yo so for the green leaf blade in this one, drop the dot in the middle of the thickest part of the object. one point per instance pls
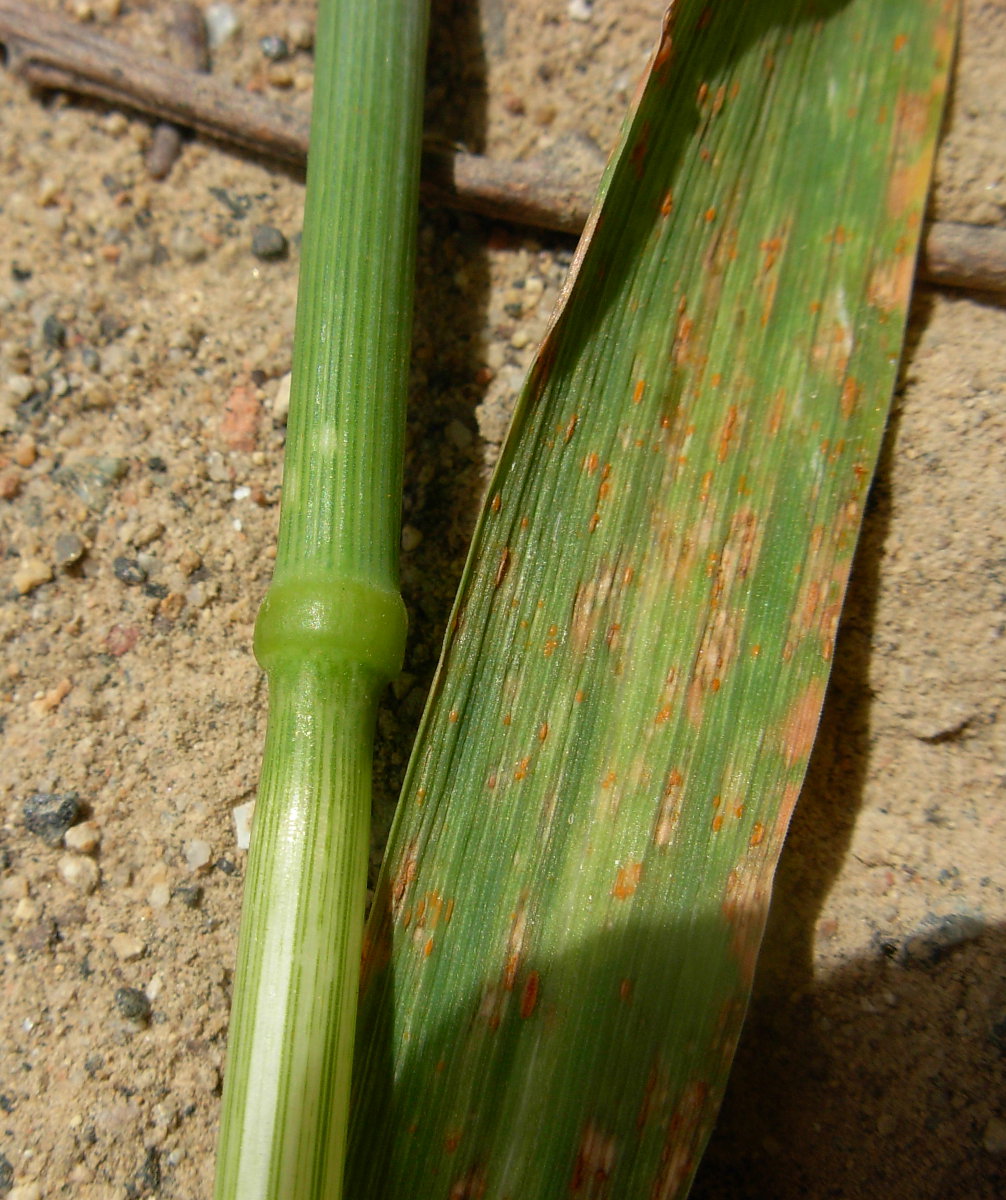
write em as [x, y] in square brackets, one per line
[562, 948]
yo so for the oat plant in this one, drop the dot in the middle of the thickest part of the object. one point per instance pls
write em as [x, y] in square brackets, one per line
[564, 938]
[331, 631]
[565, 932]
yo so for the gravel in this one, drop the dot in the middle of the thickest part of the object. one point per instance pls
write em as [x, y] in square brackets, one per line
[50, 814]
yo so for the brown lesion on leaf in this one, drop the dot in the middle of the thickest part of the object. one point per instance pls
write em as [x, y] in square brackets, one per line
[686, 1131]
[470, 1186]
[403, 877]
[907, 187]
[589, 603]
[529, 994]
[800, 723]
[890, 283]
[638, 153]
[594, 1163]
[745, 908]
[670, 808]
[727, 432]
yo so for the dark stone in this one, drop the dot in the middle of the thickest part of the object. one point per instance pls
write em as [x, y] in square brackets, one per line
[268, 243]
[53, 332]
[69, 549]
[132, 1003]
[49, 815]
[274, 48]
[129, 571]
[190, 894]
[149, 1176]
[6, 1175]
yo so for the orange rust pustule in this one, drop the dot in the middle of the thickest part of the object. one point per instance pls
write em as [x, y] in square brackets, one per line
[627, 881]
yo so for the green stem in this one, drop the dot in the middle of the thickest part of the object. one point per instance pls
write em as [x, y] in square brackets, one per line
[332, 629]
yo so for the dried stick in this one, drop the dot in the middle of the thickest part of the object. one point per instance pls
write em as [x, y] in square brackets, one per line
[50, 52]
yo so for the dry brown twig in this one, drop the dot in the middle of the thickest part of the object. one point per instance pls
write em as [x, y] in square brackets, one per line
[53, 53]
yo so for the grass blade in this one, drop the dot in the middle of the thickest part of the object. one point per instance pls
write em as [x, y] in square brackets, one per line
[563, 943]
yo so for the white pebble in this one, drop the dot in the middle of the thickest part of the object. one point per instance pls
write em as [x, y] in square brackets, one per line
[84, 838]
[242, 815]
[126, 947]
[281, 401]
[79, 872]
[222, 22]
[197, 854]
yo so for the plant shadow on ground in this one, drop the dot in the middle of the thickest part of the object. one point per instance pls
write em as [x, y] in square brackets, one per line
[866, 1082]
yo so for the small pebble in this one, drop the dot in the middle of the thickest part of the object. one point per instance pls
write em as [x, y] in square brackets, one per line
[936, 936]
[133, 1004]
[190, 894]
[10, 485]
[129, 571]
[411, 537]
[120, 639]
[189, 561]
[222, 22]
[26, 451]
[274, 48]
[281, 401]
[197, 854]
[126, 947]
[159, 896]
[147, 533]
[32, 573]
[188, 245]
[53, 332]
[79, 872]
[300, 34]
[163, 151]
[69, 549]
[242, 815]
[25, 1191]
[49, 815]
[268, 243]
[84, 838]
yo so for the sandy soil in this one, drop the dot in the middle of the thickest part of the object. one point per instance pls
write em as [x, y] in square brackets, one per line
[142, 344]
